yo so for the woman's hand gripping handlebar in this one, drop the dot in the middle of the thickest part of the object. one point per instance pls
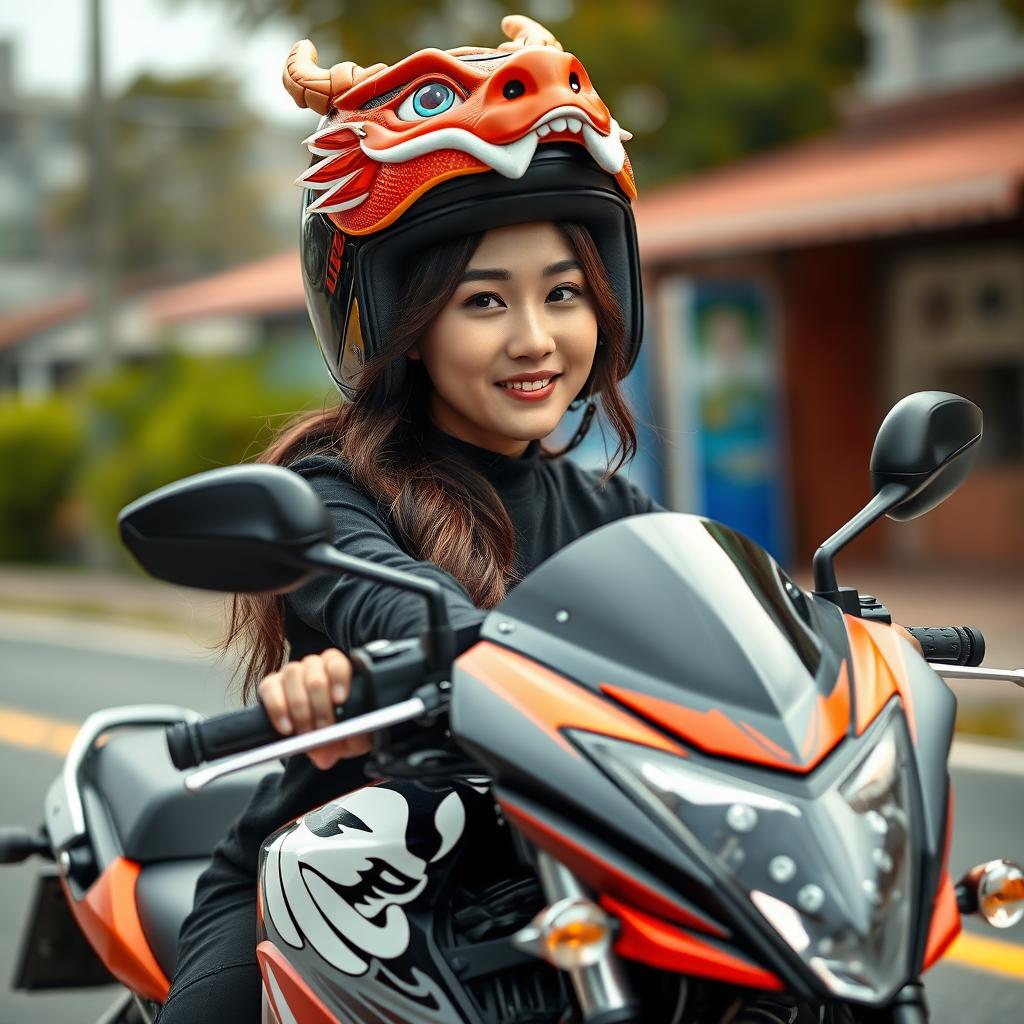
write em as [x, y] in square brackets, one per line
[310, 694]
[298, 698]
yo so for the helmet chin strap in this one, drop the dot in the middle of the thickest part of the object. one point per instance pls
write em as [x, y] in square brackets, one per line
[581, 430]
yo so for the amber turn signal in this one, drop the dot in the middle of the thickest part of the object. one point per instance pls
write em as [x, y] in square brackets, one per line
[570, 934]
[998, 888]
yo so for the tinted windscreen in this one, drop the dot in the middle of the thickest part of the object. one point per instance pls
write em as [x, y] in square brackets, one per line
[685, 603]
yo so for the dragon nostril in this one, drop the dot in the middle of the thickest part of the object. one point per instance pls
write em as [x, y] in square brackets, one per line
[574, 81]
[513, 89]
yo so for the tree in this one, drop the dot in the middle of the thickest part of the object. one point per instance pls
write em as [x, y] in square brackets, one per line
[187, 199]
[699, 83]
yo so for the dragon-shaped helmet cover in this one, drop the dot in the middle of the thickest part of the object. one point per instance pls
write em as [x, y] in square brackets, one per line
[441, 144]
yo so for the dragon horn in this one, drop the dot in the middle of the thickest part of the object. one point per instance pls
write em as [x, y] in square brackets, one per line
[525, 31]
[315, 87]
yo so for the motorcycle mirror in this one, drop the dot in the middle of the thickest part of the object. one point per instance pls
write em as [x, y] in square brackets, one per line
[929, 442]
[258, 528]
[923, 451]
[240, 528]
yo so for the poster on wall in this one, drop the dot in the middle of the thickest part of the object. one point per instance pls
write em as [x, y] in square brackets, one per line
[730, 449]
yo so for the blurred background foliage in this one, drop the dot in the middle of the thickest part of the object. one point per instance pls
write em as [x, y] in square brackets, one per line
[698, 83]
[41, 449]
[187, 197]
[701, 84]
[83, 457]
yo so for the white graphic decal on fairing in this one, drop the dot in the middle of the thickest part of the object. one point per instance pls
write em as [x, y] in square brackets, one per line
[342, 887]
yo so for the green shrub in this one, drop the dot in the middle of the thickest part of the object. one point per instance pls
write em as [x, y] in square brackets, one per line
[180, 416]
[41, 450]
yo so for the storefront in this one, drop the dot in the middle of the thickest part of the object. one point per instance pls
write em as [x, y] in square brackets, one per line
[810, 289]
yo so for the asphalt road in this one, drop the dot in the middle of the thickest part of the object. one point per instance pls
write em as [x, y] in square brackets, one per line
[67, 671]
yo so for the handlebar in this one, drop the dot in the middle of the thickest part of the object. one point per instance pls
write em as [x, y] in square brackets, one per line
[383, 672]
[950, 645]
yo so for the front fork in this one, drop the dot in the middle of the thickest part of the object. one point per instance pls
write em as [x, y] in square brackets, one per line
[602, 989]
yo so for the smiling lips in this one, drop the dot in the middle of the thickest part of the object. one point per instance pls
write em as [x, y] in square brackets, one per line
[529, 390]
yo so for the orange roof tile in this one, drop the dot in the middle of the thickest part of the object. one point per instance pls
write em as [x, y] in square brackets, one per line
[268, 286]
[928, 172]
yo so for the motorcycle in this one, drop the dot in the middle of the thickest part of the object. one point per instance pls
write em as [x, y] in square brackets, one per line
[664, 783]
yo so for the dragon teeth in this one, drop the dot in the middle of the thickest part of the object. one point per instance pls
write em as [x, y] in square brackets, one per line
[512, 159]
[605, 149]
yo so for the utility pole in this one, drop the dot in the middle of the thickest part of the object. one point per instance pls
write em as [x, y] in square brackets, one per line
[103, 236]
[99, 553]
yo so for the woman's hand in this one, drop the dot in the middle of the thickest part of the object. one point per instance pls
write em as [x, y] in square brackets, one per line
[301, 697]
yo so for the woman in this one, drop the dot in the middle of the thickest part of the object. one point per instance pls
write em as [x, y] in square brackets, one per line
[462, 304]
[517, 297]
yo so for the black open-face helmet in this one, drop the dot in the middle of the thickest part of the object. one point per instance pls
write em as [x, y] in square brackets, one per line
[445, 144]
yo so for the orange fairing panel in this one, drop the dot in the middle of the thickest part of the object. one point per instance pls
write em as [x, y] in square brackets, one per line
[715, 733]
[662, 945]
[946, 923]
[553, 702]
[599, 874]
[109, 918]
[877, 670]
[290, 997]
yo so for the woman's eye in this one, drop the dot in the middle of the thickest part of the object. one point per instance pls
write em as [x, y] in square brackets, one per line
[482, 300]
[566, 292]
[428, 101]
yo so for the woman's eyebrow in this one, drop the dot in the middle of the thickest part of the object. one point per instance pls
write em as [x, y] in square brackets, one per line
[499, 274]
[562, 266]
[485, 274]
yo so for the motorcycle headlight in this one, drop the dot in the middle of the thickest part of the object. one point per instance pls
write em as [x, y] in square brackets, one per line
[833, 874]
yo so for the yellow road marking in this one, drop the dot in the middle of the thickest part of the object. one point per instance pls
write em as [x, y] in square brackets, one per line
[985, 954]
[36, 732]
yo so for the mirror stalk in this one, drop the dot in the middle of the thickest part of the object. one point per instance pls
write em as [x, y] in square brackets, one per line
[825, 584]
[440, 640]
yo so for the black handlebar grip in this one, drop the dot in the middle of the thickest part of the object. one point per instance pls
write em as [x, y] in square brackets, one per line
[951, 645]
[192, 743]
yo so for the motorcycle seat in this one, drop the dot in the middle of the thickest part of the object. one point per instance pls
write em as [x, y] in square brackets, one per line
[163, 897]
[153, 816]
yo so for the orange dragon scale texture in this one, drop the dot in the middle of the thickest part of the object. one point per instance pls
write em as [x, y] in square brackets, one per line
[389, 134]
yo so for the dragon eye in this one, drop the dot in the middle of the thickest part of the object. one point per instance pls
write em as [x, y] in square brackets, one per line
[427, 101]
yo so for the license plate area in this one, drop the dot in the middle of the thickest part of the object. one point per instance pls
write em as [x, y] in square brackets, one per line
[54, 953]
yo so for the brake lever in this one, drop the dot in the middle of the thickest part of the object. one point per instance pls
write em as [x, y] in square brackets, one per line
[1007, 675]
[427, 701]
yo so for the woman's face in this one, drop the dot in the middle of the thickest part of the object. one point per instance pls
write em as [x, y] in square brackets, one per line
[521, 308]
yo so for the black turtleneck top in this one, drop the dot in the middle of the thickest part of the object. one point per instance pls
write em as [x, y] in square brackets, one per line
[551, 502]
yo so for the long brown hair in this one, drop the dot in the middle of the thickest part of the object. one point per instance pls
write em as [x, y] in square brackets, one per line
[444, 511]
